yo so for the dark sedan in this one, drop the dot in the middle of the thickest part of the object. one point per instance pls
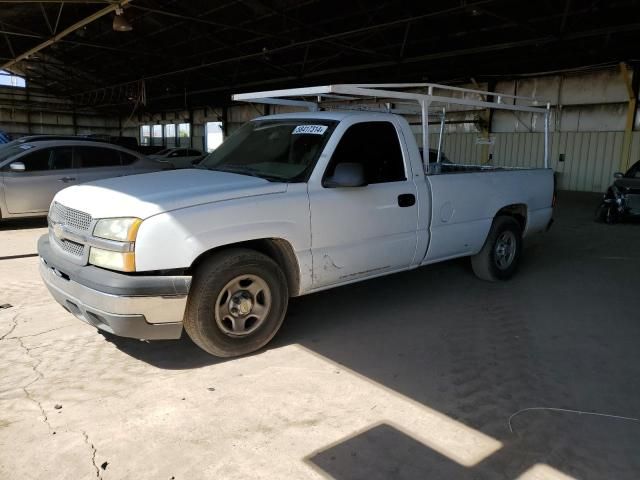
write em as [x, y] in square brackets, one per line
[622, 199]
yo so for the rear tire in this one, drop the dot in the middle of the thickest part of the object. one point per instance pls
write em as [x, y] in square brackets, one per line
[237, 303]
[500, 255]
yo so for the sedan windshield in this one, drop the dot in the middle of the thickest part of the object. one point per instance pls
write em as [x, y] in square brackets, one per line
[276, 150]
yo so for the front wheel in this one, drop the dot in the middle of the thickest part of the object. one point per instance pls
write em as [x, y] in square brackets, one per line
[607, 214]
[237, 303]
[499, 257]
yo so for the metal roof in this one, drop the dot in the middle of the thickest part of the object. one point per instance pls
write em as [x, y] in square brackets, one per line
[198, 52]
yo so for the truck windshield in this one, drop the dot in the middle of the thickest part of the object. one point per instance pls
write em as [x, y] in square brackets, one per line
[276, 150]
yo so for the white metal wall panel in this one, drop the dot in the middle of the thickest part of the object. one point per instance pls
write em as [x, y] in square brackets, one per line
[590, 158]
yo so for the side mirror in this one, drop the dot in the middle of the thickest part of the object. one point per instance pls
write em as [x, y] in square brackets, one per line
[618, 175]
[17, 167]
[346, 175]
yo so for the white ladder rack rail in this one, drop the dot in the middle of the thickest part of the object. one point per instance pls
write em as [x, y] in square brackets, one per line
[312, 98]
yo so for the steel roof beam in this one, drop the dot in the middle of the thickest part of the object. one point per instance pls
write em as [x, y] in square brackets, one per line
[64, 33]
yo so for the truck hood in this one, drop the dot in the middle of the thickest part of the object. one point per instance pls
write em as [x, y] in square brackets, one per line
[149, 194]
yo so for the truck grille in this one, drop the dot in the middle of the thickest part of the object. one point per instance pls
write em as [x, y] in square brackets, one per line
[73, 248]
[69, 217]
[74, 221]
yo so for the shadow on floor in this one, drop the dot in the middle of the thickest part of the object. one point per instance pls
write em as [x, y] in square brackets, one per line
[563, 333]
[180, 354]
[23, 223]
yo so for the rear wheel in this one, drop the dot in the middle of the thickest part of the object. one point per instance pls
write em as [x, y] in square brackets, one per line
[500, 255]
[237, 303]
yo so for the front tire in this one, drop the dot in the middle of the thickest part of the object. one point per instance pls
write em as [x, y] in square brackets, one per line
[500, 255]
[607, 214]
[237, 303]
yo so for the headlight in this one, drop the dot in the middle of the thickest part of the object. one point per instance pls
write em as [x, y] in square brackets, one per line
[122, 261]
[120, 229]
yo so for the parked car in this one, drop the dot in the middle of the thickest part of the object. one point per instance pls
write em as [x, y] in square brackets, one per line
[42, 138]
[178, 157]
[622, 199]
[128, 142]
[31, 173]
[288, 205]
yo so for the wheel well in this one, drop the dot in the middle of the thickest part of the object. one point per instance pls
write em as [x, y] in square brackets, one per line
[517, 211]
[280, 251]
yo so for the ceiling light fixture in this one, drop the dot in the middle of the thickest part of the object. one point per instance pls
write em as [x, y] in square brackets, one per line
[120, 22]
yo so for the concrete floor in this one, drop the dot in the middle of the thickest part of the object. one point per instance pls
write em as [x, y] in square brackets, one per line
[410, 376]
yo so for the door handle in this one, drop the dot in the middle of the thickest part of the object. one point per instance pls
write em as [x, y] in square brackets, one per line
[67, 179]
[406, 200]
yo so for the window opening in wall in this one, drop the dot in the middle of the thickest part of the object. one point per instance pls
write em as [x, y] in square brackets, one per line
[8, 79]
[156, 137]
[170, 135]
[213, 138]
[145, 135]
[184, 135]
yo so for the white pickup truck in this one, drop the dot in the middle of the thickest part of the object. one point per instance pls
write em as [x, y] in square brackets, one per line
[290, 204]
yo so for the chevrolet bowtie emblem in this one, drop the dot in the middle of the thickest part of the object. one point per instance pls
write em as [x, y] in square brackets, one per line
[58, 230]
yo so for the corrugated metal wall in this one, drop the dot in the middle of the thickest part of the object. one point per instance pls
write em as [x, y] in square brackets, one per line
[588, 117]
[590, 158]
[39, 113]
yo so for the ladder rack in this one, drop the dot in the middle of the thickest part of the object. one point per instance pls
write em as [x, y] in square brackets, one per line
[402, 99]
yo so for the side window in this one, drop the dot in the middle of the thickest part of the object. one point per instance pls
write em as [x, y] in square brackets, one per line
[97, 157]
[193, 153]
[36, 161]
[127, 158]
[376, 146]
[61, 158]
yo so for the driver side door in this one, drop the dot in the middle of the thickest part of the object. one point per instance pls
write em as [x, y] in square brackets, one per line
[359, 232]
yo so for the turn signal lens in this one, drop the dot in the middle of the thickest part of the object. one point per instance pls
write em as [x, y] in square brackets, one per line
[121, 261]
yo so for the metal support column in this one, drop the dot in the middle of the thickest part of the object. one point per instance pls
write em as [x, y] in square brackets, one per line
[547, 118]
[625, 159]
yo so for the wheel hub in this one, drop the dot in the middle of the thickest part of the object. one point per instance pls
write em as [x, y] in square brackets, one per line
[505, 250]
[243, 305]
[240, 304]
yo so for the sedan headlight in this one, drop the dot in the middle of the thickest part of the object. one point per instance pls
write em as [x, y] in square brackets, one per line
[122, 261]
[120, 229]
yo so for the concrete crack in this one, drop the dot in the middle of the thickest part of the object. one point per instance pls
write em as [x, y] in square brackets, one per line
[45, 418]
[93, 454]
[13, 327]
[33, 334]
[39, 376]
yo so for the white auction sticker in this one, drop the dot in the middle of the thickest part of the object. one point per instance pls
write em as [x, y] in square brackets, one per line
[310, 129]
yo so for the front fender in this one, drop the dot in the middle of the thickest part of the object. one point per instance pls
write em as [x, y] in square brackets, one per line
[173, 240]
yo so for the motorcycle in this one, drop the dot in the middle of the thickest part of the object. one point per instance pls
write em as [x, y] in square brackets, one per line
[612, 208]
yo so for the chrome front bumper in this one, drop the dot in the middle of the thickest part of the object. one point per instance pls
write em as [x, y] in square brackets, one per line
[143, 317]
